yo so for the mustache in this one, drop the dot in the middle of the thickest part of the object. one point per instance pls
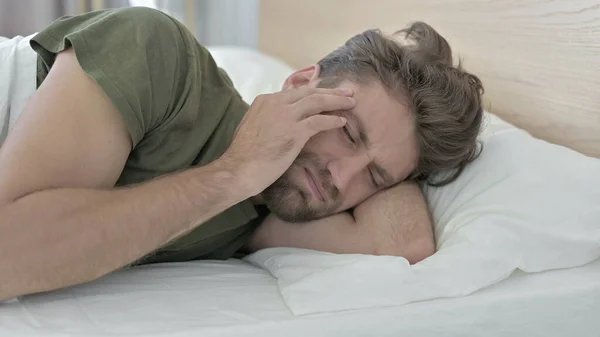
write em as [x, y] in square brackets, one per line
[310, 160]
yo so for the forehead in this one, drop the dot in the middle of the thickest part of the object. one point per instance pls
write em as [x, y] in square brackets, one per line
[389, 126]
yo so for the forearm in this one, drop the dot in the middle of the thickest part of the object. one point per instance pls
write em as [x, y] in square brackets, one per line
[400, 218]
[392, 222]
[338, 234]
[61, 237]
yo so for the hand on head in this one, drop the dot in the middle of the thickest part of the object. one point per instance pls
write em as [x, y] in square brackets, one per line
[277, 126]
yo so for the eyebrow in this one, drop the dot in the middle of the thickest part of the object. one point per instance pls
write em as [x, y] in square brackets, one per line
[360, 126]
[364, 138]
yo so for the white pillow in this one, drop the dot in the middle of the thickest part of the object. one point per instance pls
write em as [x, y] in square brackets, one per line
[492, 124]
[251, 71]
[523, 204]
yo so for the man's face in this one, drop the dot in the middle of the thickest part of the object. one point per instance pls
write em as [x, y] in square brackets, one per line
[340, 168]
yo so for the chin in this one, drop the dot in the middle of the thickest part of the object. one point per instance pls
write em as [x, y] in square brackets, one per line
[291, 200]
[291, 203]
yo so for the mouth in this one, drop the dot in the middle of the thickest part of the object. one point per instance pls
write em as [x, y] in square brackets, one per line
[313, 186]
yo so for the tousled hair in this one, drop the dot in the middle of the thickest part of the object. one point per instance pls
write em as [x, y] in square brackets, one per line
[445, 100]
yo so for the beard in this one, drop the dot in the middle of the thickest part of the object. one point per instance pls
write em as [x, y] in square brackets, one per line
[291, 200]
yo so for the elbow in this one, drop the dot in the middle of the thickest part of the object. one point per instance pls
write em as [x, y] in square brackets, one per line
[414, 251]
[6, 297]
[420, 251]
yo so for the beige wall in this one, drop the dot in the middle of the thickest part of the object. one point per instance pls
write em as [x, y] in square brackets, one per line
[539, 59]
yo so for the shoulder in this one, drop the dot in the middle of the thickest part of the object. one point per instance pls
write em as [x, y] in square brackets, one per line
[127, 28]
[148, 22]
[141, 16]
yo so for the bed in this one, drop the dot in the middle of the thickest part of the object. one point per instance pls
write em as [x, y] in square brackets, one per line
[536, 276]
[236, 299]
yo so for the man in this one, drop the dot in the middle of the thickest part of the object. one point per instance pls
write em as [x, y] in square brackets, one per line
[137, 149]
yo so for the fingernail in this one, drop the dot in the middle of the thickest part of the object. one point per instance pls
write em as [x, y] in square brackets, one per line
[343, 120]
[351, 100]
[346, 91]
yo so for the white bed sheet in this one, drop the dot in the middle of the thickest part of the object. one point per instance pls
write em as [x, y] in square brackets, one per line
[233, 298]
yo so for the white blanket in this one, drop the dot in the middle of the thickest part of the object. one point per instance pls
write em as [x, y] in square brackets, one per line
[17, 80]
[235, 299]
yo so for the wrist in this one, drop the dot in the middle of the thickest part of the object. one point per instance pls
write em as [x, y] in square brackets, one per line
[238, 176]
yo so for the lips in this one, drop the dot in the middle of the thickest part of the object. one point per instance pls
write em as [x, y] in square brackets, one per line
[314, 187]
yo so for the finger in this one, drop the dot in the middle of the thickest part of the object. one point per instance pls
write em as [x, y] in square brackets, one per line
[296, 94]
[318, 103]
[318, 123]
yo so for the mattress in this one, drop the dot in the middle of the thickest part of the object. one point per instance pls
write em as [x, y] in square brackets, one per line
[234, 298]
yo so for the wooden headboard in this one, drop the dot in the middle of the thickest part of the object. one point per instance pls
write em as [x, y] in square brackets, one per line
[539, 60]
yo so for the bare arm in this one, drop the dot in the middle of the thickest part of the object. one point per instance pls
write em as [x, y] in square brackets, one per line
[392, 222]
[62, 222]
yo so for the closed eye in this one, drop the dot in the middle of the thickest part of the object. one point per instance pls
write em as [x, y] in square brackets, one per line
[373, 179]
[347, 133]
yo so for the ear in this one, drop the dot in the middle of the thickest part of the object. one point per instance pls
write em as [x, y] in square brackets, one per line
[306, 76]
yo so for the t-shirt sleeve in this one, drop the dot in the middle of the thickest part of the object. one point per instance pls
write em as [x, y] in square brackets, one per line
[137, 55]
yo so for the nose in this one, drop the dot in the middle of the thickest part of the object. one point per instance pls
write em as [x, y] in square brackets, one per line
[344, 169]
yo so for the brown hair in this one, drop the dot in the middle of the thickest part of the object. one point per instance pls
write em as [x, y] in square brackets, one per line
[446, 101]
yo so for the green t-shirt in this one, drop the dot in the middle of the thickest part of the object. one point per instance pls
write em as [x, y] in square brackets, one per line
[180, 108]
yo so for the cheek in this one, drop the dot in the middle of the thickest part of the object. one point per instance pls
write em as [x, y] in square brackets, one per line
[359, 192]
[294, 176]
